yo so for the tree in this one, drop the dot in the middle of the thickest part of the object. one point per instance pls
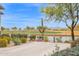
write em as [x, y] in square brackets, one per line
[14, 28]
[68, 12]
[20, 29]
[28, 27]
[2, 28]
[41, 28]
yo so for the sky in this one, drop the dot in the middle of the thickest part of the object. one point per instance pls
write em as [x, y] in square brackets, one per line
[22, 15]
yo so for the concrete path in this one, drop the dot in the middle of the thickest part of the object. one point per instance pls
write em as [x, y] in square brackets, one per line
[32, 49]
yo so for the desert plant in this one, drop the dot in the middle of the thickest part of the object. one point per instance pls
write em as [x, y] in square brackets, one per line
[3, 42]
[73, 44]
[68, 52]
[46, 39]
[66, 42]
[63, 12]
[32, 37]
[16, 41]
[23, 40]
[58, 39]
[77, 41]
[7, 38]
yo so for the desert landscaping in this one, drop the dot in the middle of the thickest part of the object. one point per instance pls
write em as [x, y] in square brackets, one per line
[23, 32]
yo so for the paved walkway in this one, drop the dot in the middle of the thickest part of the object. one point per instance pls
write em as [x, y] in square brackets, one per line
[32, 49]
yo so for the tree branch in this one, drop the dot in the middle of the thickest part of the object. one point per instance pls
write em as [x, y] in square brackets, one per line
[66, 15]
[77, 18]
[66, 24]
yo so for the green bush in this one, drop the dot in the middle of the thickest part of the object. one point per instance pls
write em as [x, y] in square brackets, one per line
[46, 39]
[32, 37]
[3, 42]
[58, 39]
[23, 40]
[16, 41]
[68, 52]
[7, 38]
[67, 42]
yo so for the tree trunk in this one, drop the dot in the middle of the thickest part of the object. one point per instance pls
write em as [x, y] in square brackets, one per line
[72, 34]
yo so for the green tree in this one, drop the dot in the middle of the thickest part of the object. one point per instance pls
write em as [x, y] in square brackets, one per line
[14, 28]
[63, 12]
[2, 28]
[28, 27]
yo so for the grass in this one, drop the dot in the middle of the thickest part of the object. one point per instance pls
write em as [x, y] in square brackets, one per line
[29, 32]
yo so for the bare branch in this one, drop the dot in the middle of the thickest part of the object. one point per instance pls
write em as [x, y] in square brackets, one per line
[77, 19]
[66, 24]
[66, 15]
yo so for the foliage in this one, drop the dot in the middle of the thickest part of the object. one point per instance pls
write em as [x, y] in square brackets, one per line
[46, 39]
[14, 28]
[7, 38]
[3, 42]
[77, 41]
[58, 39]
[74, 43]
[66, 42]
[68, 52]
[23, 40]
[29, 28]
[32, 37]
[16, 41]
[2, 28]
[41, 28]
[63, 12]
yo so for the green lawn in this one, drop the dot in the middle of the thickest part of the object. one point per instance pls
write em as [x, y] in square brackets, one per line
[29, 32]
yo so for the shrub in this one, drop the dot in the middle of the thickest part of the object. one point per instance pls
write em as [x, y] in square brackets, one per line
[46, 39]
[66, 42]
[32, 37]
[73, 44]
[16, 41]
[7, 38]
[3, 42]
[68, 52]
[23, 40]
[77, 41]
[58, 39]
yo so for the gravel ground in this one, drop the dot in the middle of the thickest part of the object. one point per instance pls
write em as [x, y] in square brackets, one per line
[32, 49]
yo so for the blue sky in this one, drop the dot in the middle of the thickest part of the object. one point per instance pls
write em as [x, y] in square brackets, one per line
[22, 15]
